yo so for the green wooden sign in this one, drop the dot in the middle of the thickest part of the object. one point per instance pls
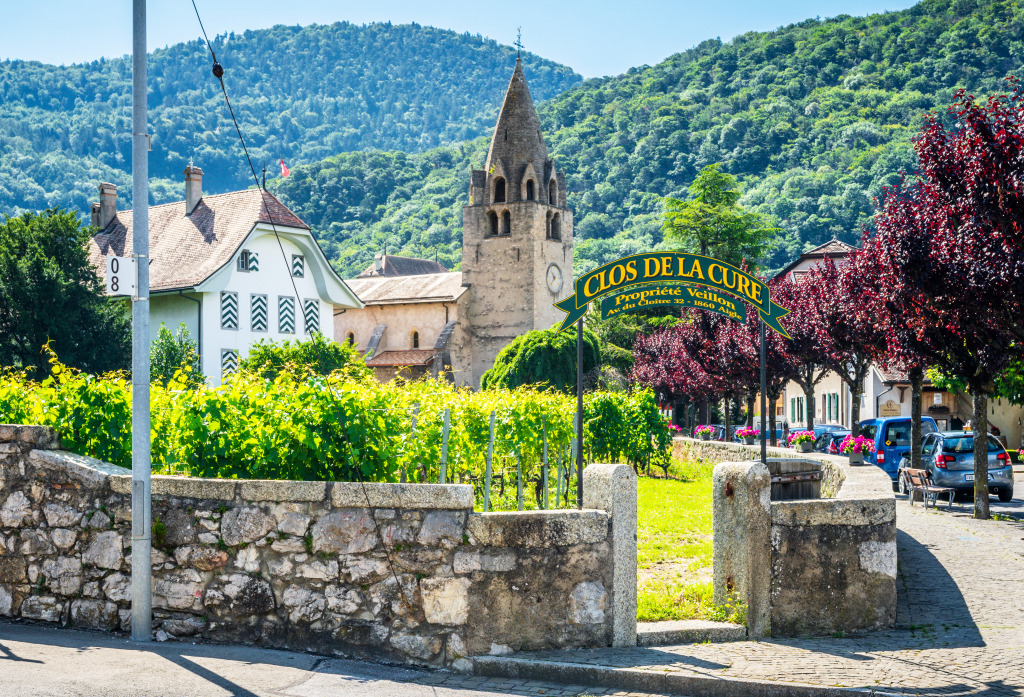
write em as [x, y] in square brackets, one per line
[655, 267]
[674, 296]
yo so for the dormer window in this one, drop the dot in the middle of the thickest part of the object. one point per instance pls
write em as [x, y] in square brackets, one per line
[530, 194]
[499, 190]
[244, 260]
[553, 193]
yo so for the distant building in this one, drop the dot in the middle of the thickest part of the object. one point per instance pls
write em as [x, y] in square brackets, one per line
[517, 245]
[219, 266]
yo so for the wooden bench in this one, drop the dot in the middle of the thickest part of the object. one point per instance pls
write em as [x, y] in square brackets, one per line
[918, 481]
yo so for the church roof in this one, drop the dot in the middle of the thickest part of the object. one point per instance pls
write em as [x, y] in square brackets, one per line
[187, 249]
[517, 135]
[392, 265]
[401, 358]
[397, 290]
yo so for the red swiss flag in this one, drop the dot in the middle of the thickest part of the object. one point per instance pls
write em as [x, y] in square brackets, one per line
[284, 169]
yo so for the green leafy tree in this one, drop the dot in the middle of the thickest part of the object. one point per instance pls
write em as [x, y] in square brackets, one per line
[317, 356]
[49, 294]
[543, 357]
[713, 223]
[173, 355]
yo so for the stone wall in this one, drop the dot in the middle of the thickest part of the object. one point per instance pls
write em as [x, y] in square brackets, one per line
[394, 572]
[812, 566]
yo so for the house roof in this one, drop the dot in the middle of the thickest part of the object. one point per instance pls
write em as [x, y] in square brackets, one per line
[402, 266]
[395, 290]
[394, 358]
[834, 248]
[897, 376]
[187, 249]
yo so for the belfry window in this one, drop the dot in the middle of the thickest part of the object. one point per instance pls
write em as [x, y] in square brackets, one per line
[555, 231]
[530, 195]
[553, 193]
[415, 340]
[506, 223]
[492, 217]
[499, 190]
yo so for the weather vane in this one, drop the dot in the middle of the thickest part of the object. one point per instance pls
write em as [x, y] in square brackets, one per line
[519, 42]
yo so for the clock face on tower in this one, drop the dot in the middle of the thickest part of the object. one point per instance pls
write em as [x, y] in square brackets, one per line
[554, 278]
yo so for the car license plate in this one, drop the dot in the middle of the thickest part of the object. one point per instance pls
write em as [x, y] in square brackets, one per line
[970, 477]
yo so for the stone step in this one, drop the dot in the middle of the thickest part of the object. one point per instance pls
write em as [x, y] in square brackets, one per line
[688, 632]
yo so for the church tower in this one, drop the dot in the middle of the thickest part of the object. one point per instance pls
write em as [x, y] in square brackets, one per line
[516, 234]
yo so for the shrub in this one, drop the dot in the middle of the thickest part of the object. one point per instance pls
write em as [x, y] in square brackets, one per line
[317, 356]
[175, 354]
[545, 358]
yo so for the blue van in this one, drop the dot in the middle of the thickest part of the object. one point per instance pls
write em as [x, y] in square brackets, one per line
[891, 437]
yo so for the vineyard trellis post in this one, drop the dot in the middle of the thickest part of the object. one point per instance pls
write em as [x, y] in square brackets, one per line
[544, 465]
[519, 479]
[487, 470]
[444, 446]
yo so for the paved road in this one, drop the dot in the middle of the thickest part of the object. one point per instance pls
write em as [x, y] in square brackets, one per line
[961, 617]
[38, 661]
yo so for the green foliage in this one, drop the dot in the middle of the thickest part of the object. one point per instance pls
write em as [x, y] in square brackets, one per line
[543, 357]
[1009, 385]
[301, 93]
[712, 223]
[315, 427]
[49, 294]
[316, 356]
[175, 355]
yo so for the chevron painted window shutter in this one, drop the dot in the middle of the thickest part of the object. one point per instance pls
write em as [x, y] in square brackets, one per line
[228, 310]
[228, 362]
[254, 262]
[258, 306]
[298, 265]
[311, 313]
[285, 315]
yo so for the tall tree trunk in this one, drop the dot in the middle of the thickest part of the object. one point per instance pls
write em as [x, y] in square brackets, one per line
[855, 393]
[979, 425]
[728, 419]
[771, 423]
[750, 409]
[809, 408]
[916, 383]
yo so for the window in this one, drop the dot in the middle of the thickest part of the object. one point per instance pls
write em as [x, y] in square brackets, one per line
[228, 362]
[530, 195]
[898, 434]
[298, 265]
[869, 431]
[927, 426]
[311, 315]
[799, 408]
[492, 217]
[258, 312]
[928, 446]
[351, 339]
[499, 190]
[228, 310]
[285, 315]
[553, 193]
[415, 340]
[243, 260]
[506, 223]
[555, 233]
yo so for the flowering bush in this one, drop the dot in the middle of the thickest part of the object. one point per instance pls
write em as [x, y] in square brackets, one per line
[797, 437]
[703, 430]
[748, 432]
[859, 445]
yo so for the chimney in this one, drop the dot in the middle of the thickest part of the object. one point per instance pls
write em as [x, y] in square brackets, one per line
[94, 214]
[378, 263]
[108, 204]
[193, 187]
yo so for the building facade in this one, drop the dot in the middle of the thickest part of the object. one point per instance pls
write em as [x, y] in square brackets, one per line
[234, 268]
[517, 249]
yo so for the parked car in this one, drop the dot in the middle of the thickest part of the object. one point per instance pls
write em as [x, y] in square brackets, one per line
[949, 458]
[829, 442]
[891, 437]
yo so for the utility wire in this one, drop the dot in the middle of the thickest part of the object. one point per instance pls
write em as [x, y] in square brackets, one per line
[218, 72]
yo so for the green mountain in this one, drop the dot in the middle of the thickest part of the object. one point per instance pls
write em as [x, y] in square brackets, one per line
[300, 93]
[814, 118]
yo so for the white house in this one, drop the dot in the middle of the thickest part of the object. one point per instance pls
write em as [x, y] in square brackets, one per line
[235, 268]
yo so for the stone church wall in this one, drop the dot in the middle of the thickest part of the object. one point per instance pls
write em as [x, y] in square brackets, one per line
[302, 565]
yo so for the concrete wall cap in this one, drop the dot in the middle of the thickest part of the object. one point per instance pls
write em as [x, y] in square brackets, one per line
[194, 487]
[282, 490]
[405, 496]
[85, 469]
[538, 528]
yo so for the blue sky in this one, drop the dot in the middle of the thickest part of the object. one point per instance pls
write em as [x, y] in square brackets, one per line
[595, 38]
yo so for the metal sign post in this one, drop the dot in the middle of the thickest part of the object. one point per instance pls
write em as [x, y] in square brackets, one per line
[142, 598]
[764, 388]
[579, 413]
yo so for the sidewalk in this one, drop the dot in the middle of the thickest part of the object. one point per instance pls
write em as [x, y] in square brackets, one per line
[961, 619]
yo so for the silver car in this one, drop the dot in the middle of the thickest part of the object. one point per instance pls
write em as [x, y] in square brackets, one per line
[949, 458]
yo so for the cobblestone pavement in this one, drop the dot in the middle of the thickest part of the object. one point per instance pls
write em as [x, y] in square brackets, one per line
[960, 621]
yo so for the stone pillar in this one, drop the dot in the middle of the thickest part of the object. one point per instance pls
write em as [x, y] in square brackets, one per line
[612, 488]
[741, 521]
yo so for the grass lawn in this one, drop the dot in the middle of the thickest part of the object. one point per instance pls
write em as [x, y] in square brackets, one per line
[674, 545]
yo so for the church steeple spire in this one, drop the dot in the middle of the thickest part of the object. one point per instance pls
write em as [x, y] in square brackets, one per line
[517, 140]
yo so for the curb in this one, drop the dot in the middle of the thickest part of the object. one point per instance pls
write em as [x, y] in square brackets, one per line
[651, 681]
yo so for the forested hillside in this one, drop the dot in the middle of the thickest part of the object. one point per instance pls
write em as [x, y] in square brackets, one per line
[301, 93]
[814, 118]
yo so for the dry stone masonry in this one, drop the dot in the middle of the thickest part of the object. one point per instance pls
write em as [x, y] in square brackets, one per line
[387, 571]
